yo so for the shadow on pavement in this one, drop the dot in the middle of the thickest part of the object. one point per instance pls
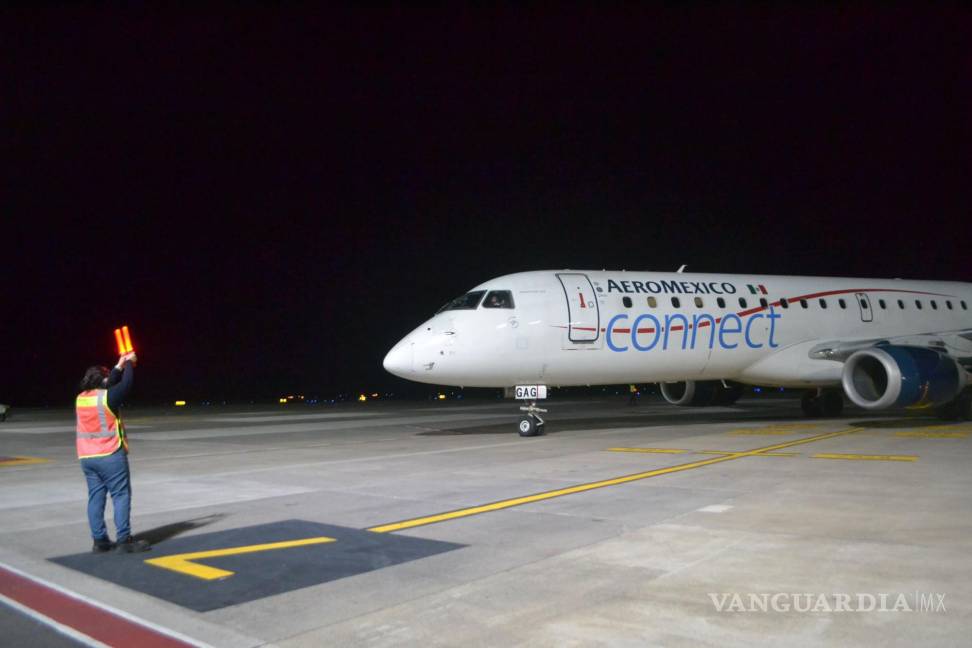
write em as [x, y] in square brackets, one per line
[163, 533]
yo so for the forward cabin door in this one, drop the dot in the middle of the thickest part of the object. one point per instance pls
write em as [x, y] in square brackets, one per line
[864, 303]
[584, 323]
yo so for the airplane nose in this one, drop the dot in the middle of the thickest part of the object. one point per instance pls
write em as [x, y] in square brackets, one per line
[398, 361]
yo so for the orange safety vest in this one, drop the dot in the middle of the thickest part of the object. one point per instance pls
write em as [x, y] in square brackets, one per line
[100, 431]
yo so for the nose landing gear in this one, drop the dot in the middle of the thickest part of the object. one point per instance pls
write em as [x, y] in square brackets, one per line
[531, 424]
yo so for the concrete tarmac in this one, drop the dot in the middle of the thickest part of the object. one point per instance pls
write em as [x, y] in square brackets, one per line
[389, 524]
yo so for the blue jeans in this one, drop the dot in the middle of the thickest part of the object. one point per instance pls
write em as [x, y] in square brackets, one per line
[108, 475]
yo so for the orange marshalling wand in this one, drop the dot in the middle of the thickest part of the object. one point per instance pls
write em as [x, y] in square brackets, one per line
[123, 340]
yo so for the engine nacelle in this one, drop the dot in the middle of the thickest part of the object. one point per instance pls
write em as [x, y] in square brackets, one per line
[699, 393]
[899, 376]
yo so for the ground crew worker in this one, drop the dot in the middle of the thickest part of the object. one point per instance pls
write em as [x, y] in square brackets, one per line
[633, 390]
[103, 451]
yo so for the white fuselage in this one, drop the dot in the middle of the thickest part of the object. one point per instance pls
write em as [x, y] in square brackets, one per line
[609, 327]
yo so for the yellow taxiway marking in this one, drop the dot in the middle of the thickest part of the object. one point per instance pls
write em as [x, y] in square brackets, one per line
[182, 563]
[711, 452]
[655, 450]
[6, 462]
[933, 435]
[757, 454]
[860, 457]
[581, 488]
[780, 429]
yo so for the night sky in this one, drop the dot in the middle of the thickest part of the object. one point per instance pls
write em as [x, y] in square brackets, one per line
[271, 197]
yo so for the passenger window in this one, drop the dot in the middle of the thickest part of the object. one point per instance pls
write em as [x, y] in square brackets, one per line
[721, 302]
[676, 302]
[882, 304]
[900, 304]
[784, 303]
[499, 299]
[948, 304]
[698, 302]
[843, 304]
[934, 305]
[626, 301]
[652, 302]
[964, 307]
[918, 304]
[469, 301]
[823, 303]
[762, 302]
[864, 304]
[742, 302]
[803, 303]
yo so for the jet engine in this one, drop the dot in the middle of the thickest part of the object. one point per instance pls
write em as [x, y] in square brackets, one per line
[699, 393]
[899, 376]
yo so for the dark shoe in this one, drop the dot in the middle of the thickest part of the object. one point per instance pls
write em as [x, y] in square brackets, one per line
[131, 545]
[102, 546]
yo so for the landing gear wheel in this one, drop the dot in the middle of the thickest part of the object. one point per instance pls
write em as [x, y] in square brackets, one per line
[529, 427]
[811, 404]
[831, 402]
[531, 424]
[818, 403]
[959, 409]
[728, 394]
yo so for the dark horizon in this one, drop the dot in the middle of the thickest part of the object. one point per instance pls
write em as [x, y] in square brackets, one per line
[271, 198]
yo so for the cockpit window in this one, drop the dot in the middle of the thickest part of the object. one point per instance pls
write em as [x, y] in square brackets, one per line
[469, 301]
[499, 299]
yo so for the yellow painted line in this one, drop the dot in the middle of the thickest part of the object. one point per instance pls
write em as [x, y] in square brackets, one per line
[779, 429]
[748, 432]
[858, 457]
[934, 435]
[182, 563]
[653, 450]
[757, 454]
[582, 488]
[21, 461]
[711, 452]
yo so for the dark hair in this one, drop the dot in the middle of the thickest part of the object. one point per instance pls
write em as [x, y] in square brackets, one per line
[94, 378]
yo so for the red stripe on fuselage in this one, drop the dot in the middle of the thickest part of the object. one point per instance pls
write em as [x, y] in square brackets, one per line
[776, 304]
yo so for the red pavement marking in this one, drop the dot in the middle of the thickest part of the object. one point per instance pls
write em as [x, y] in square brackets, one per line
[88, 619]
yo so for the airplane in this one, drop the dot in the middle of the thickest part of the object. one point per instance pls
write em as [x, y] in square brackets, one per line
[881, 342]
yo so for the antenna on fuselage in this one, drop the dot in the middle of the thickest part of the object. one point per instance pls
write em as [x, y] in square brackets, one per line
[681, 268]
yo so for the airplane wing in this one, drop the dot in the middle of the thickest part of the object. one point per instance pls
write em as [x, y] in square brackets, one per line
[957, 344]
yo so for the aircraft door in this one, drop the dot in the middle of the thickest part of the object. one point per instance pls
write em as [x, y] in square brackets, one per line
[864, 303]
[582, 308]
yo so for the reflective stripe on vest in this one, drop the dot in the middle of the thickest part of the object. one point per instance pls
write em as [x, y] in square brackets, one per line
[99, 431]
